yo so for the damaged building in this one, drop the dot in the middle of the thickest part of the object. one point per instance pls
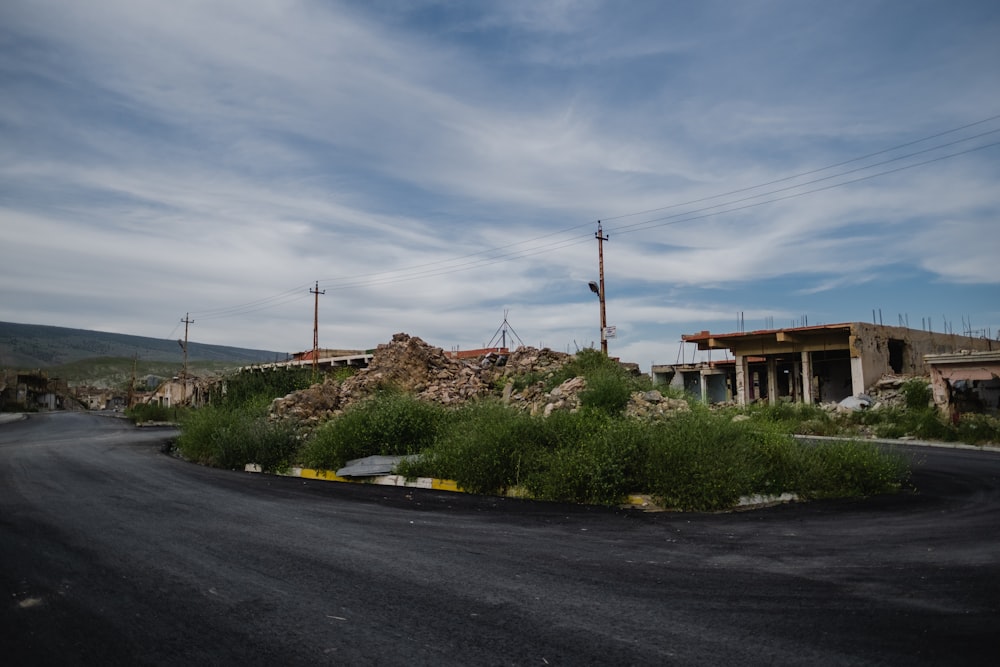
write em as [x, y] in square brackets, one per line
[965, 382]
[815, 364]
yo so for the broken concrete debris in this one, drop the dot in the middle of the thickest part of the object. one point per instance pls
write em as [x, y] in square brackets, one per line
[410, 365]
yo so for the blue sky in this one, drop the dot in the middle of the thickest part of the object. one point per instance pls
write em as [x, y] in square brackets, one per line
[437, 164]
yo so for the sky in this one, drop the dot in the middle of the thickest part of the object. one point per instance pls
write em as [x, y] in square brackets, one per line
[438, 167]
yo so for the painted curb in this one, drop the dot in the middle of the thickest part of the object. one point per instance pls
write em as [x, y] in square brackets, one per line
[636, 501]
[381, 480]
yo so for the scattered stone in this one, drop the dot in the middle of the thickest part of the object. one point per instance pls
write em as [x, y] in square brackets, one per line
[410, 365]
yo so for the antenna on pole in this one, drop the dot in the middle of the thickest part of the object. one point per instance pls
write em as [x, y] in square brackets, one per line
[502, 332]
[315, 354]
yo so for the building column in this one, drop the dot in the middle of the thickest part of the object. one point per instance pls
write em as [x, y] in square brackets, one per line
[704, 387]
[857, 376]
[772, 380]
[807, 378]
[742, 375]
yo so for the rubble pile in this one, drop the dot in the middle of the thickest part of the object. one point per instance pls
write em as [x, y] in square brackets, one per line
[654, 405]
[316, 404]
[887, 392]
[410, 365]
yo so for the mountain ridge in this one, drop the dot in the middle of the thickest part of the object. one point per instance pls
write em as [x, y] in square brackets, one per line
[29, 346]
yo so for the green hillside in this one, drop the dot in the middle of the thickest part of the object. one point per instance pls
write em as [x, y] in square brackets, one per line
[116, 372]
[31, 346]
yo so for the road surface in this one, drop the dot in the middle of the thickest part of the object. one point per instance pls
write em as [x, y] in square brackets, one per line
[113, 553]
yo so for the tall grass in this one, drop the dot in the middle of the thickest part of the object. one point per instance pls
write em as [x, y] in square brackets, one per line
[696, 461]
[140, 413]
[232, 436]
[388, 423]
[234, 430]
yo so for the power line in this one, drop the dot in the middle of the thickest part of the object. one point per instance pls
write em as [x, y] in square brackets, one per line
[645, 225]
[490, 256]
[811, 171]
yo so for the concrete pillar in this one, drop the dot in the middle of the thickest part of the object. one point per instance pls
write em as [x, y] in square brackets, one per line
[742, 377]
[772, 380]
[857, 376]
[704, 387]
[807, 377]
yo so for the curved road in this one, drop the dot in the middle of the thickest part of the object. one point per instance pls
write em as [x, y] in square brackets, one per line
[113, 553]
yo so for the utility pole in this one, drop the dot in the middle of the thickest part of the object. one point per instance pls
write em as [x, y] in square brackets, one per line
[600, 262]
[184, 374]
[131, 384]
[316, 329]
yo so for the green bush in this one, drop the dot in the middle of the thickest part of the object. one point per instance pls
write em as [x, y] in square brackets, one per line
[607, 390]
[230, 437]
[703, 461]
[976, 429]
[487, 447]
[248, 386]
[850, 468]
[598, 460]
[141, 413]
[796, 418]
[916, 394]
[388, 423]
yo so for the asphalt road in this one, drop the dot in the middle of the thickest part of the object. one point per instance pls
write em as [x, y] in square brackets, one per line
[113, 553]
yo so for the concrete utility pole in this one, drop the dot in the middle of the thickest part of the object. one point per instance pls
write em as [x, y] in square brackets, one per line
[187, 320]
[600, 295]
[316, 329]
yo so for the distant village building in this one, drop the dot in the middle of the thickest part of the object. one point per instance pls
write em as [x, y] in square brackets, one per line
[31, 390]
[189, 391]
[825, 363]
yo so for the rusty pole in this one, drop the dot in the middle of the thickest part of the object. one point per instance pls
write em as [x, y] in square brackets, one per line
[600, 261]
[317, 292]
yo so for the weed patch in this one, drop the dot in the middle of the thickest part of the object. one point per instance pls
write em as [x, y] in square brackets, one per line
[389, 423]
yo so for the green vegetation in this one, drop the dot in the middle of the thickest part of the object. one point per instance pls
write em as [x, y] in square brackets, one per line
[152, 412]
[388, 423]
[230, 436]
[919, 418]
[234, 430]
[116, 372]
[701, 460]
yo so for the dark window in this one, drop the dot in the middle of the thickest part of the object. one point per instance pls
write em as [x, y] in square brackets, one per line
[897, 352]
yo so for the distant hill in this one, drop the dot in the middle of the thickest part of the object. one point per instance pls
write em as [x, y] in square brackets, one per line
[29, 346]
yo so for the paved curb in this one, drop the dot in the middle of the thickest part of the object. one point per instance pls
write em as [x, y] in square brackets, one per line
[382, 480]
[643, 502]
[10, 417]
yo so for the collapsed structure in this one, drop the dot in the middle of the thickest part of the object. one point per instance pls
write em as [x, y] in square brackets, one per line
[813, 364]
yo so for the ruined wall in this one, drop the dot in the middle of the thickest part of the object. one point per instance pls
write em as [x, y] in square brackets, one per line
[886, 350]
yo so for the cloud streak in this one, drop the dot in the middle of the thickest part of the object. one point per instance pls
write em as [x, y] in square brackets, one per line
[435, 165]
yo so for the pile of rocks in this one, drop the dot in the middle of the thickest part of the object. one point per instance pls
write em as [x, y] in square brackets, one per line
[654, 405]
[410, 365]
[887, 391]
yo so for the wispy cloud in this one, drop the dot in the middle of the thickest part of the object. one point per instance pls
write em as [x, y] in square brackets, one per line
[434, 164]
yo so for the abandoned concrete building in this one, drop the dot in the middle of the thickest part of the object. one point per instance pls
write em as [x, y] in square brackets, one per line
[965, 382]
[813, 364]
